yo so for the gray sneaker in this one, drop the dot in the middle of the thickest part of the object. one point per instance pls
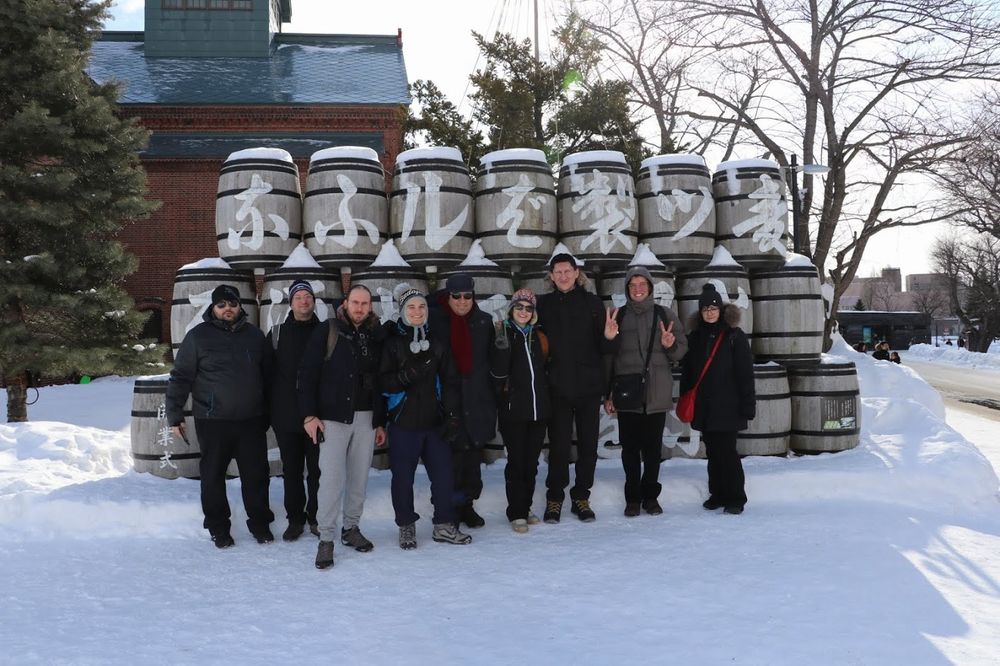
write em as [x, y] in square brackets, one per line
[324, 555]
[408, 536]
[355, 539]
[448, 533]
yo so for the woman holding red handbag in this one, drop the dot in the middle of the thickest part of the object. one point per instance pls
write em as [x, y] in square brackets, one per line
[719, 362]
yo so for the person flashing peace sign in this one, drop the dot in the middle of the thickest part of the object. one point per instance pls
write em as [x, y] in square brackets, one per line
[650, 338]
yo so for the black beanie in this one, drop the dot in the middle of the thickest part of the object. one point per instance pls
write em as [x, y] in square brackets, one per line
[709, 296]
[225, 292]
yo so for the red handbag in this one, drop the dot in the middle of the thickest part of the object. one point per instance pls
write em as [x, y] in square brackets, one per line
[685, 404]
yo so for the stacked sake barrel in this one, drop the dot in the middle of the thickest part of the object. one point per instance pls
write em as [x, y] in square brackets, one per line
[300, 265]
[192, 299]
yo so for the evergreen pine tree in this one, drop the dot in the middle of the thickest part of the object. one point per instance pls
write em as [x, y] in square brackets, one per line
[69, 179]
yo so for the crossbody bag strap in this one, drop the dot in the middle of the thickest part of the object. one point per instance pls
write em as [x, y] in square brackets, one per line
[649, 347]
[711, 356]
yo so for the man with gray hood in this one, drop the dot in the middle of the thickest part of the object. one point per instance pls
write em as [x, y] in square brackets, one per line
[650, 338]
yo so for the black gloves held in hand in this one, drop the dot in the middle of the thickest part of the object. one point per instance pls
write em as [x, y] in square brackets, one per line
[415, 368]
[451, 430]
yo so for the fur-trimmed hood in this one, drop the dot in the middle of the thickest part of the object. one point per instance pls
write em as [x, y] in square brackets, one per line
[731, 317]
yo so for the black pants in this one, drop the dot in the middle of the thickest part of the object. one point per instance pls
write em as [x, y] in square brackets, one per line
[220, 442]
[468, 479]
[406, 448]
[299, 455]
[725, 470]
[585, 412]
[523, 441]
[641, 437]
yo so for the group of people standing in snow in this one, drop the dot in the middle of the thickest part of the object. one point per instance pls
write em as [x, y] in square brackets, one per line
[435, 385]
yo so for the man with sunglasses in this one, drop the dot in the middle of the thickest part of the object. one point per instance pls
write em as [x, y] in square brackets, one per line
[468, 334]
[223, 364]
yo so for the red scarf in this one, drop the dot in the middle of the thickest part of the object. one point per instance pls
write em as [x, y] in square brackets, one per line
[461, 338]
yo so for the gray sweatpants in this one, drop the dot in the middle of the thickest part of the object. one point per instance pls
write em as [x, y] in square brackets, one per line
[344, 460]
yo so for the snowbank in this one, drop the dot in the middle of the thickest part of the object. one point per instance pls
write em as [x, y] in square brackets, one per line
[951, 355]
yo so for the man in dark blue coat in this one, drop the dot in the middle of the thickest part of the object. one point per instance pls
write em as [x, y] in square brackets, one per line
[223, 364]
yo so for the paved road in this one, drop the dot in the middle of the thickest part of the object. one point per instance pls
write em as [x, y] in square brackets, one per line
[959, 385]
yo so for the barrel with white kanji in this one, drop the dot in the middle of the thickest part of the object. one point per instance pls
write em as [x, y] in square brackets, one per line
[431, 210]
[382, 281]
[258, 208]
[193, 288]
[676, 209]
[598, 216]
[493, 285]
[155, 449]
[345, 211]
[274, 293]
[826, 406]
[679, 439]
[769, 432]
[611, 287]
[751, 212]
[516, 207]
[788, 314]
[731, 281]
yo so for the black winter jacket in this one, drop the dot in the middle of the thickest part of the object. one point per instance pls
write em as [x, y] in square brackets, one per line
[518, 369]
[726, 398]
[416, 405]
[478, 410]
[574, 324]
[223, 368]
[292, 338]
[334, 388]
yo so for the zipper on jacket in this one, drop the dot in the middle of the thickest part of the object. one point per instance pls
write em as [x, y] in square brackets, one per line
[531, 369]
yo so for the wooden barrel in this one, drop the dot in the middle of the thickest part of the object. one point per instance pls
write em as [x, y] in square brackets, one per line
[193, 297]
[732, 283]
[274, 293]
[516, 207]
[597, 209]
[382, 280]
[826, 406]
[345, 212]
[155, 450]
[430, 207]
[751, 212]
[611, 287]
[494, 287]
[258, 208]
[676, 209]
[788, 314]
[769, 432]
[679, 440]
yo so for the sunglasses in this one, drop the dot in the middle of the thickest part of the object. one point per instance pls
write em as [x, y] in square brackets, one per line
[232, 304]
[524, 308]
[459, 295]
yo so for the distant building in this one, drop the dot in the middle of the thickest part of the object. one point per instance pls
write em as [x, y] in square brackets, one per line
[210, 77]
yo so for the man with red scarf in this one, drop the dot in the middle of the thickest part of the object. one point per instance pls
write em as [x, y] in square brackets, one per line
[468, 333]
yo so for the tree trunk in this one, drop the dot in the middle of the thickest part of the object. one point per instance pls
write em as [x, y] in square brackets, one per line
[17, 395]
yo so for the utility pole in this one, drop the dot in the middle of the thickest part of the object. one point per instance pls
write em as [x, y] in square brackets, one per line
[538, 58]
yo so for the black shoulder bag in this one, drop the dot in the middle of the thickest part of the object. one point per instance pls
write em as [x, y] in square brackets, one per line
[628, 392]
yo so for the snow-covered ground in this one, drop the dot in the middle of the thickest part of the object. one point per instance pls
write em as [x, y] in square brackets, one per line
[886, 554]
[951, 355]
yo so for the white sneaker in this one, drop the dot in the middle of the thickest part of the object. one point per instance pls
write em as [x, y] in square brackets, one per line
[533, 519]
[519, 525]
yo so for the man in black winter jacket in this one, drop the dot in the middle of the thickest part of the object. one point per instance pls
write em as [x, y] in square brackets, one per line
[223, 364]
[468, 333]
[580, 332]
[298, 454]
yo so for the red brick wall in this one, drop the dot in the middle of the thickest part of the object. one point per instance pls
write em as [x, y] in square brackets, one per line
[183, 229]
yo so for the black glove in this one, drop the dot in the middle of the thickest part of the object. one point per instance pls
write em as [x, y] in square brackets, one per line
[415, 368]
[451, 430]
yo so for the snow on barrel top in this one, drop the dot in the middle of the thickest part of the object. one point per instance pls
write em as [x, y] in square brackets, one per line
[207, 262]
[562, 249]
[651, 162]
[389, 256]
[798, 261]
[345, 152]
[476, 256]
[594, 156]
[732, 166]
[261, 154]
[721, 257]
[513, 154]
[645, 257]
[300, 258]
[432, 153]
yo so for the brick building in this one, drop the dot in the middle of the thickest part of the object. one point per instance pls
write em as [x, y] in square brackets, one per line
[210, 77]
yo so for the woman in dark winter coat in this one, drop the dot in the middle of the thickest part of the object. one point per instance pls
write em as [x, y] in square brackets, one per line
[725, 400]
[650, 338]
[517, 364]
[421, 384]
